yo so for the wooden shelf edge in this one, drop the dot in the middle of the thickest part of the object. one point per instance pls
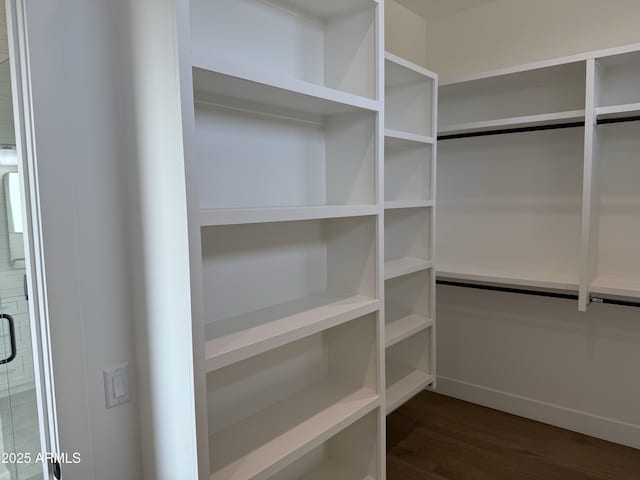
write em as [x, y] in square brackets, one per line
[405, 389]
[390, 57]
[514, 122]
[399, 330]
[615, 287]
[400, 204]
[240, 216]
[233, 348]
[506, 278]
[405, 266]
[616, 111]
[409, 137]
[283, 83]
[282, 451]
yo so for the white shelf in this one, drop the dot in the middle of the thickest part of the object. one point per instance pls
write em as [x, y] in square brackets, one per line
[621, 288]
[315, 415]
[390, 57]
[327, 8]
[215, 79]
[523, 279]
[239, 216]
[402, 329]
[618, 111]
[334, 471]
[404, 383]
[398, 204]
[396, 137]
[514, 122]
[274, 326]
[405, 266]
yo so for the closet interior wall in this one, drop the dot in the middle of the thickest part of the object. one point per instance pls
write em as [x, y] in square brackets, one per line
[536, 194]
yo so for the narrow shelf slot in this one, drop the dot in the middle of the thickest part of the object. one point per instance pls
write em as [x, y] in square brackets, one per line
[408, 168]
[516, 99]
[403, 383]
[399, 330]
[270, 410]
[270, 283]
[618, 80]
[409, 99]
[258, 159]
[350, 455]
[405, 266]
[261, 330]
[325, 45]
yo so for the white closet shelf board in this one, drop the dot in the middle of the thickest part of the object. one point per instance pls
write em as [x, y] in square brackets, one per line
[327, 8]
[398, 138]
[238, 216]
[403, 383]
[522, 279]
[405, 266]
[397, 204]
[327, 408]
[223, 79]
[402, 329]
[618, 111]
[582, 57]
[335, 471]
[514, 122]
[271, 327]
[622, 288]
[390, 57]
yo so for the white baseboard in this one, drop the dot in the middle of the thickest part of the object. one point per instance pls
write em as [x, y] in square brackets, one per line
[574, 420]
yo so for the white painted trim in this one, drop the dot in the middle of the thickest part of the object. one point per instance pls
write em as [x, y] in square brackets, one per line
[581, 57]
[575, 420]
[390, 57]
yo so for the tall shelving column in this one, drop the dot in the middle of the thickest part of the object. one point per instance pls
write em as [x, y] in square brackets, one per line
[287, 168]
[410, 193]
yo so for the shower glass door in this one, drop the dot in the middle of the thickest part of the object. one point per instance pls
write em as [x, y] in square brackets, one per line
[20, 443]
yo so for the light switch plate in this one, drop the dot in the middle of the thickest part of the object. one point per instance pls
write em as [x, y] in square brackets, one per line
[116, 385]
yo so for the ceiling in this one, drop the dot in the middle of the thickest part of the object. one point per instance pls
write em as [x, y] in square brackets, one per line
[438, 8]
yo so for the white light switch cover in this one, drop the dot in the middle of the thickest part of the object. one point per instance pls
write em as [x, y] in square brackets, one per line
[116, 385]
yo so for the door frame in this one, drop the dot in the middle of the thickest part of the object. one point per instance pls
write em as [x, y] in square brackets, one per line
[33, 239]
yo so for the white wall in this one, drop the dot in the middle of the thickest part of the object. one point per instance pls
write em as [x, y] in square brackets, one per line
[537, 357]
[513, 32]
[79, 130]
[405, 33]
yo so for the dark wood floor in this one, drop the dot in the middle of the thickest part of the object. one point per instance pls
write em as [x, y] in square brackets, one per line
[434, 437]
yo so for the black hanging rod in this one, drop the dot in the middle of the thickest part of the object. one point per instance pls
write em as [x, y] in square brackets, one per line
[605, 121]
[504, 131]
[537, 293]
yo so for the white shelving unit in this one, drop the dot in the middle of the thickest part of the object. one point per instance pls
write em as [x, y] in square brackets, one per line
[263, 173]
[536, 176]
[409, 175]
[287, 168]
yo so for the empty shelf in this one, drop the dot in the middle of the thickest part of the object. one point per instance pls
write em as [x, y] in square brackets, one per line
[618, 111]
[399, 330]
[241, 337]
[223, 79]
[396, 204]
[327, 8]
[396, 137]
[335, 471]
[405, 266]
[238, 216]
[390, 57]
[404, 383]
[289, 429]
[523, 279]
[514, 122]
[622, 288]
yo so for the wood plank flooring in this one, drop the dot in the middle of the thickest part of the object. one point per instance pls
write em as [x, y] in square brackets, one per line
[434, 437]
